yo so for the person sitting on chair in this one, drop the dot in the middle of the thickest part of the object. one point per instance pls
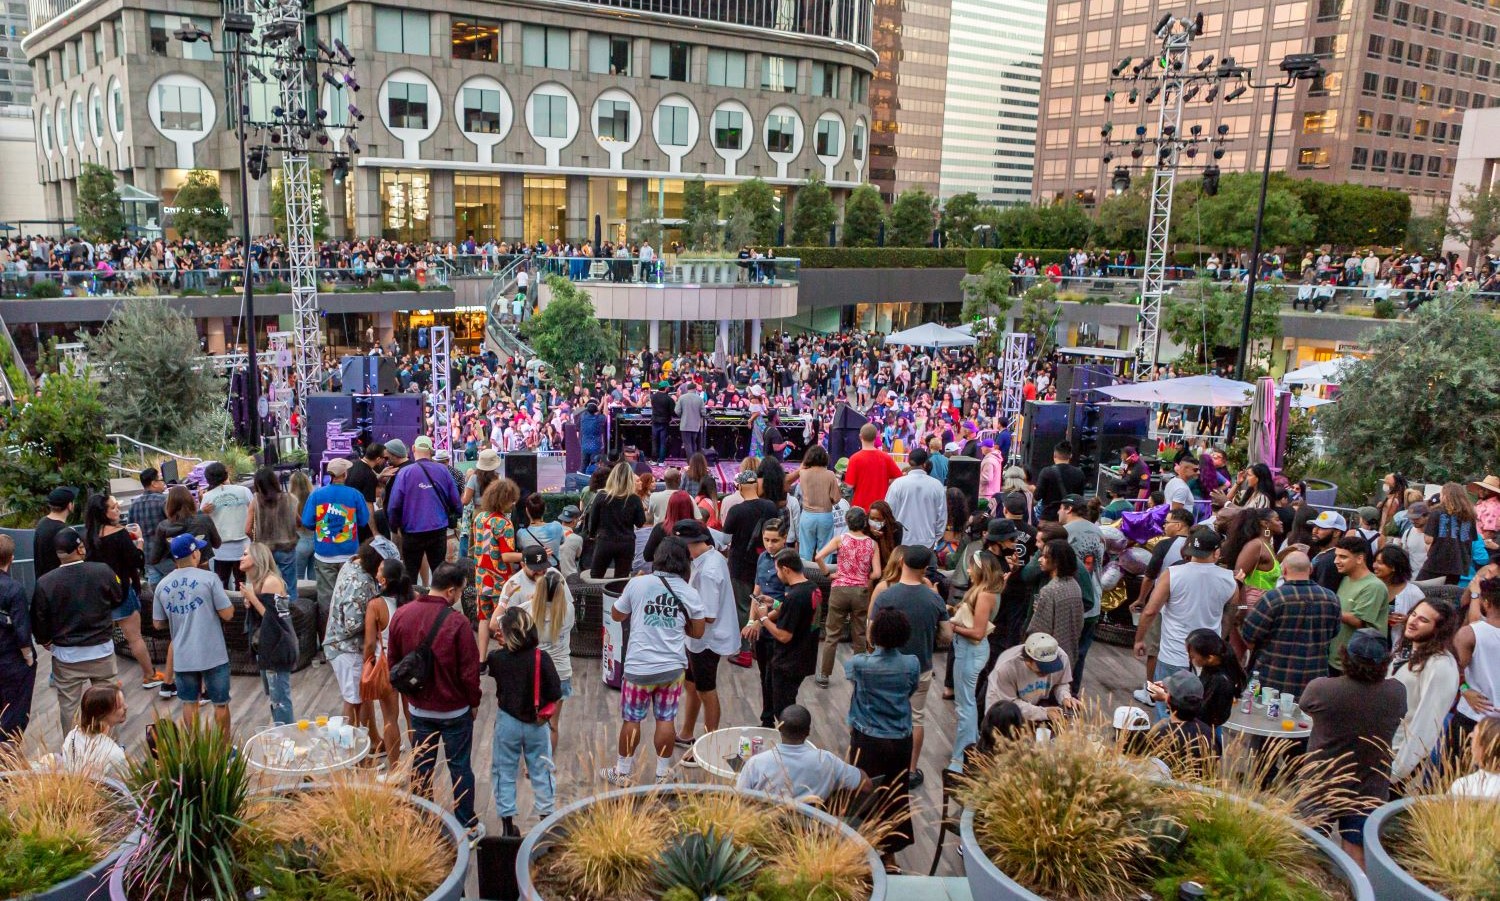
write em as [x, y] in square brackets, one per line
[795, 769]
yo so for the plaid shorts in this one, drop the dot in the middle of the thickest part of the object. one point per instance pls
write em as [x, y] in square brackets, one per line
[636, 700]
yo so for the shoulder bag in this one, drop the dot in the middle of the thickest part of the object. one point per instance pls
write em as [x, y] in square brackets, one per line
[544, 712]
[442, 496]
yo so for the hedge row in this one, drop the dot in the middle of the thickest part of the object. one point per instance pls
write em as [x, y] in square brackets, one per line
[971, 259]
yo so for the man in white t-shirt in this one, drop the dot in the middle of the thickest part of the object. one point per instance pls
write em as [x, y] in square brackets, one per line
[664, 611]
[1414, 539]
[794, 769]
[1178, 494]
[1187, 597]
[722, 637]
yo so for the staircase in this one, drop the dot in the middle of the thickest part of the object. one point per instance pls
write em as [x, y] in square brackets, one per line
[499, 337]
[7, 390]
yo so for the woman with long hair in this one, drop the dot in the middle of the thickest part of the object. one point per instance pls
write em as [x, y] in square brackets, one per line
[679, 507]
[1451, 530]
[344, 640]
[821, 490]
[971, 647]
[1394, 502]
[484, 474]
[696, 474]
[106, 540]
[612, 520]
[300, 487]
[1211, 657]
[1256, 488]
[90, 746]
[273, 521]
[859, 564]
[1427, 668]
[1393, 567]
[707, 502]
[1058, 609]
[886, 530]
[891, 573]
[880, 720]
[263, 587]
[954, 534]
[773, 488]
[1250, 550]
[551, 608]
[496, 556]
[525, 681]
[395, 590]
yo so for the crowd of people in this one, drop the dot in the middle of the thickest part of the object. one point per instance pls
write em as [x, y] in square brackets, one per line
[1383, 627]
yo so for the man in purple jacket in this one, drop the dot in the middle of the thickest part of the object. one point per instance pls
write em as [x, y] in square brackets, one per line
[422, 498]
[445, 709]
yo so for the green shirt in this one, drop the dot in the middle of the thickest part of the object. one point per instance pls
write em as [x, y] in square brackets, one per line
[1367, 599]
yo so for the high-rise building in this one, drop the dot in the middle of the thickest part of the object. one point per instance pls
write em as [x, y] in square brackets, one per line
[15, 75]
[907, 96]
[994, 83]
[1388, 113]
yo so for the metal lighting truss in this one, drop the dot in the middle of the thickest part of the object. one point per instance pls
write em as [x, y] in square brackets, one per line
[1013, 368]
[442, 389]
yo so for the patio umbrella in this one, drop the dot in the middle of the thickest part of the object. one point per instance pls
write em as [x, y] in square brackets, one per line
[930, 334]
[1262, 438]
[1193, 391]
[1328, 372]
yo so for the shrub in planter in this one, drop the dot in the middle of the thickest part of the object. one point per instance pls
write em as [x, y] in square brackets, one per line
[59, 833]
[1435, 846]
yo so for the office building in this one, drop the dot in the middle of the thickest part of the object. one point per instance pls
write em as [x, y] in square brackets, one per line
[994, 83]
[15, 75]
[1388, 113]
[908, 94]
[511, 119]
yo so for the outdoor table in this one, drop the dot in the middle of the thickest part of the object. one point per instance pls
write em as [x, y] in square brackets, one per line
[304, 754]
[1255, 723]
[713, 750]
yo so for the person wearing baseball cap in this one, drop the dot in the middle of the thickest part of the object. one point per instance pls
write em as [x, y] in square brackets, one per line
[1188, 740]
[71, 615]
[1326, 529]
[720, 638]
[59, 508]
[190, 603]
[422, 504]
[1034, 676]
[1354, 720]
[1187, 597]
[335, 513]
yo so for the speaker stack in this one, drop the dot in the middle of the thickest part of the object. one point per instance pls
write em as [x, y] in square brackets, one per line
[963, 474]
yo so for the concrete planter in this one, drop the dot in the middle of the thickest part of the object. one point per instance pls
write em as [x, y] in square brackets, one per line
[549, 831]
[84, 886]
[988, 883]
[1391, 882]
[450, 889]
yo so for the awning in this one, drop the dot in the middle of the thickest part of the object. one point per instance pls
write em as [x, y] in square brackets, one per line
[930, 334]
[1191, 391]
[1113, 353]
[132, 194]
[1328, 372]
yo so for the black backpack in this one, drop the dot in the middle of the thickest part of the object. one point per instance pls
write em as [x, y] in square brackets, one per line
[413, 673]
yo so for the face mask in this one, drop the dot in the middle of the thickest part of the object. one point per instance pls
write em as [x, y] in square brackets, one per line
[877, 525]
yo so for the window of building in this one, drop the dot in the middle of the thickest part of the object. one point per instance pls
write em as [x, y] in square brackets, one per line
[609, 55]
[337, 26]
[1450, 63]
[857, 150]
[475, 39]
[1461, 100]
[729, 129]
[1375, 46]
[1433, 59]
[1434, 166]
[1489, 35]
[1456, 27]
[549, 116]
[1403, 126]
[202, 51]
[672, 124]
[62, 126]
[68, 67]
[1414, 55]
[825, 80]
[181, 107]
[1382, 9]
[407, 105]
[1484, 70]
[1369, 84]
[669, 60]
[78, 124]
[1330, 10]
[117, 106]
[97, 39]
[1439, 132]
[828, 137]
[781, 133]
[1466, 65]
[1377, 160]
[726, 68]
[777, 73]
[482, 111]
[1426, 92]
[1098, 39]
[545, 48]
[1408, 90]
[1401, 13]
[1395, 50]
[1417, 161]
[861, 82]
[614, 120]
[262, 96]
[1329, 46]
[402, 31]
[1385, 123]
[1319, 122]
[405, 205]
[1419, 18]
[157, 33]
[1364, 120]
[1360, 158]
[1288, 15]
[1068, 13]
[1398, 160]
[119, 31]
[1389, 86]
[1455, 131]
[1244, 21]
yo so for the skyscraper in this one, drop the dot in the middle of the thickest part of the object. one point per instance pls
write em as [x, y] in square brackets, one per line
[15, 75]
[1388, 113]
[907, 95]
[994, 82]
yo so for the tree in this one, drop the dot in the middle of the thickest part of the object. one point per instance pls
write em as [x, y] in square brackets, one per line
[1352, 216]
[159, 383]
[97, 208]
[645, 225]
[987, 301]
[864, 217]
[961, 213]
[1476, 221]
[566, 333]
[1051, 225]
[700, 216]
[1038, 316]
[278, 208]
[1227, 219]
[911, 219]
[1203, 316]
[1398, 408]
[758, 201]
[201, 212]
[1121, 220]
[814, 215]
[1426, 233]
[59, 441]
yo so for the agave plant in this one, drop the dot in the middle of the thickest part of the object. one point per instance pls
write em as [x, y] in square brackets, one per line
[706, 863]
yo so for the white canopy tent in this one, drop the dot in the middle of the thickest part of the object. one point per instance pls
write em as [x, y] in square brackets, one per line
[1328, 372]
[1193, 391]
[930, 334]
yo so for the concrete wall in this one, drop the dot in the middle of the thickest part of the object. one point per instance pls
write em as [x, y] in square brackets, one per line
[21, 196]
[99, 309]
[823, 288]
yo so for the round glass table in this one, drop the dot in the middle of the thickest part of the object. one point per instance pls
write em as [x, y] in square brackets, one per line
[304, 753]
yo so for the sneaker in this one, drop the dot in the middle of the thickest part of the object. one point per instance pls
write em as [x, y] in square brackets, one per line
[822, 681]
[614, 777]
[665, 779]
[155, 681]
[1142, 697]
[743, 658]
[167, 690]
[683, 742]
[475, 833]
[688, 760]
[914, 779]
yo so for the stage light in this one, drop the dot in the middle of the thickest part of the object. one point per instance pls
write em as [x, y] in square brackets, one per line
[1163, 25]
[1106, 129]
[1120, 183]
[1205, 62]
[1211, 181]
[1152, 94]
[1190, 93]
[1237, 93]
[1119, 70]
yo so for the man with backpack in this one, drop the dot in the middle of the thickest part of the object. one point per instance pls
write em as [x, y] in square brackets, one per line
[434, 663]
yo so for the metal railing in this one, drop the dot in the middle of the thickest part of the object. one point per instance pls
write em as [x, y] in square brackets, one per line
[132, 455]
[1314, 298]
[192, 282]
[670, 270]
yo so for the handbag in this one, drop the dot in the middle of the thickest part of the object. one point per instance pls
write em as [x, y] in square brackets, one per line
[375, 679]
[544, 712]
[276, 648]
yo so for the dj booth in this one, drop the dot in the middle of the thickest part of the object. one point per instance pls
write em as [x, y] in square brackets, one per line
[727, 433]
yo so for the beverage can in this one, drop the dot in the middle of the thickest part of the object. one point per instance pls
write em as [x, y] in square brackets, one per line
[1043, 735]
[1273, 707]
[747, 747]
[1247, 702]
[757, 745]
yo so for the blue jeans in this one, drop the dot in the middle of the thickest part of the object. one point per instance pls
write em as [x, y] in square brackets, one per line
[277, 684]
[813, 531]
[304, 566]
[286, 564]
[1085, 641]
[969, 657]
[1163, 670]
[514, 739]
[457, 736]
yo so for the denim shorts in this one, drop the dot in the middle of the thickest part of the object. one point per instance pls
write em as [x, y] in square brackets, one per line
[567, 689]
[131, 604]
[212, 684]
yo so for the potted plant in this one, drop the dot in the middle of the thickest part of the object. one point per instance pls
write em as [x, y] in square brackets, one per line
[1077, 817]
[60, 833]
[695, 842]
[349, 839]
[1434, 847]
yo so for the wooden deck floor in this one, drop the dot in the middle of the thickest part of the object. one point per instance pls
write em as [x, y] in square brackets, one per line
[589, 724]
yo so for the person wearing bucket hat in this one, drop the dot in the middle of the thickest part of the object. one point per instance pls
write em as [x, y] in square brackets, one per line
[1487, 509]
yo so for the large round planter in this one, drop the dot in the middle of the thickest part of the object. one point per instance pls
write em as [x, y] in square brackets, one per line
[988, 883]
[450, 889]
[1391, 882]
[541, 837]
[83, 886]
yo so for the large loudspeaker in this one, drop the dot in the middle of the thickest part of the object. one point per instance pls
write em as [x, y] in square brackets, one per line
[1046, 426]
[368, 375]
[396, 416]
[1081, 377]
[322, 409]
[843, 436]
[1122, 425]
[521, 469]
[963, 474]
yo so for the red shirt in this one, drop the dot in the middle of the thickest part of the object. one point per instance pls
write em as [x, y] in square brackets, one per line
[871, 473]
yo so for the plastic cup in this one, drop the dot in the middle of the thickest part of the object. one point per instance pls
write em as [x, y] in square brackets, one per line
[322, 720]
[1288, 725]
[302, 725]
